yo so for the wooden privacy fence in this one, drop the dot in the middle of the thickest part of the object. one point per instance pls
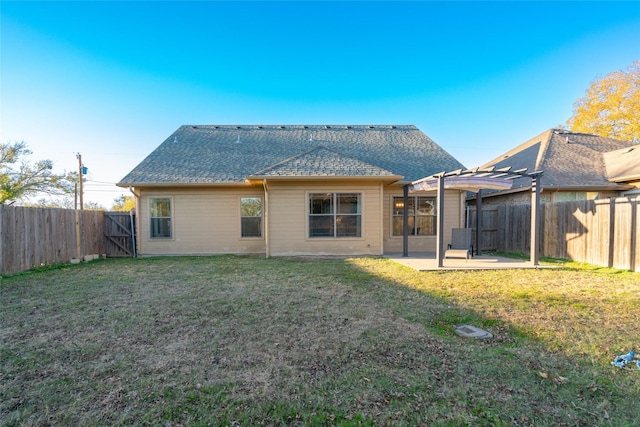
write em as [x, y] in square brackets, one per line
[601, 232]
[33, 237]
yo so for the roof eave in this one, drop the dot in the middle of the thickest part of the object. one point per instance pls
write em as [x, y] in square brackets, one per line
[182, 184]
[554, 188]
[623, 179]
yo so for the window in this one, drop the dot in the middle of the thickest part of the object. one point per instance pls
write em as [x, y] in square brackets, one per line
[160, 209]
[422, 216]
[251, 216]
[335, 215]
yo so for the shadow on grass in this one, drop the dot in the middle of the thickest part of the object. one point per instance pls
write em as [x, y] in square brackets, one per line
[234, 340]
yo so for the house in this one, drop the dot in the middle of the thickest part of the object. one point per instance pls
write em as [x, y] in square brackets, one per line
[576, 166]
[290, 190]
[623, 167]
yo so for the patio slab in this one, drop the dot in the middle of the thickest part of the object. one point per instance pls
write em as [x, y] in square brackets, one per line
[426, 261]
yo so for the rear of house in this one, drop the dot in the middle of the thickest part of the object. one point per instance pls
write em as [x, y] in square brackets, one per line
[290, 190]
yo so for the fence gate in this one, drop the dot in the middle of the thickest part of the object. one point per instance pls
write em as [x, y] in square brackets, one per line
[489, 238]
[119, 234]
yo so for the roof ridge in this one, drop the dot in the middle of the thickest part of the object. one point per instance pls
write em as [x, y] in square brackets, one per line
[301, 126]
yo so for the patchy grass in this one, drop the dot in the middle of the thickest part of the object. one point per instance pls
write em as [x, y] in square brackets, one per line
[248, 341]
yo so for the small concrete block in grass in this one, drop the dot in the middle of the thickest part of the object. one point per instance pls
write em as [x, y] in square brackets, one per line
[470, 331]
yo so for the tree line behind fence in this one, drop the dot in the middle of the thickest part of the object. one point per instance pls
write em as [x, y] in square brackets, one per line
[601, 232]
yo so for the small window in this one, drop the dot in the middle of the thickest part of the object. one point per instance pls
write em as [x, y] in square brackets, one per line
[160, 215]
[335, 215]
[421, 215]
[251, 216]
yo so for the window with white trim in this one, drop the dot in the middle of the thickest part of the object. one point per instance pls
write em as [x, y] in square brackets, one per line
[251, 216]
[421, 215]
[335, 215]
[160, 217]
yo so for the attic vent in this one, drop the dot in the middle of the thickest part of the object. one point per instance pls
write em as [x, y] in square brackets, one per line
[305, 127]
[281, 127]
[393, 127]
[238, 140]
[194, 127]
[348, 127]
[327, 127]
[370, 127]
[175, 139]
[237, 127]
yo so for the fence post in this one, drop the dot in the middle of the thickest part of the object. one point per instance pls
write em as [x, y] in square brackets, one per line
[479, 222]
[612, 230]
[634, 234]
[2, 237]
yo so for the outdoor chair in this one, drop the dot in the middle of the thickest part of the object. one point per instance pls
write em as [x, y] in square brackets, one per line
[460, 246]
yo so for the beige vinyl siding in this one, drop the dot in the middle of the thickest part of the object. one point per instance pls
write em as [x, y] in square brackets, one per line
[289, 217]
[453, 218]
[204, 221]
[207, 221]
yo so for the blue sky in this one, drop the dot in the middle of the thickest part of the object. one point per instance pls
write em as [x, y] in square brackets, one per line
[112, 80]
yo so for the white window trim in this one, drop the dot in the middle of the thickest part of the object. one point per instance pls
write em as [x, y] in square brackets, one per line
[261, 237]
[334, 239]
[171, 218]
[411, 236]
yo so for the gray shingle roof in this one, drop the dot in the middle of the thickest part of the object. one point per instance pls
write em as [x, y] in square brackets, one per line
[568, 159]
[229, 154]
[322, 162]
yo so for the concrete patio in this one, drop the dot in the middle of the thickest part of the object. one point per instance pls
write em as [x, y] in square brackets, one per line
[426, 261]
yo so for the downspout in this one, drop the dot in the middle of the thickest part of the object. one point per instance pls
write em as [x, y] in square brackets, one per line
[267, 249]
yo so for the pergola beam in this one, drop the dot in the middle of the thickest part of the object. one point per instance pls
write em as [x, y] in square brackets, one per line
[501, 176]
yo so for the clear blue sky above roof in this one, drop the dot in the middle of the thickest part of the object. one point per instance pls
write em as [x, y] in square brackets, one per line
[113, 79]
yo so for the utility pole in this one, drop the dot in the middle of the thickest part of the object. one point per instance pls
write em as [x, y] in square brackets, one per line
[80, 170]
[78, 228]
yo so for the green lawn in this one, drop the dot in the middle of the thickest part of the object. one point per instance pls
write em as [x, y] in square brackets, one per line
[249, 341]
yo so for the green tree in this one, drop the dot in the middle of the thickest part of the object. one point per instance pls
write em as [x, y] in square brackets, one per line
[123, 203]
[610, 106]
[20, 179]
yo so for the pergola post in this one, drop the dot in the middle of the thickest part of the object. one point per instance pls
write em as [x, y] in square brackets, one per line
[440, 222]
[535, 209]
[478, 221]
[405, 221]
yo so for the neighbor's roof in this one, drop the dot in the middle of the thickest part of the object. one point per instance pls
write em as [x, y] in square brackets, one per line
[571, 161]
[623, 165]
[231, 154]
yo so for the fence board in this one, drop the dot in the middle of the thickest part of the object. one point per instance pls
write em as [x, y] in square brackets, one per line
[600, 232]
[33, 237]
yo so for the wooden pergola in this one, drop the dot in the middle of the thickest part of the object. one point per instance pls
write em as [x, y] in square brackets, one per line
[474, 180]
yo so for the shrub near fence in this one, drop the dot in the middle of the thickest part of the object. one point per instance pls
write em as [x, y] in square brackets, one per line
[33, 237]
[601, 232]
